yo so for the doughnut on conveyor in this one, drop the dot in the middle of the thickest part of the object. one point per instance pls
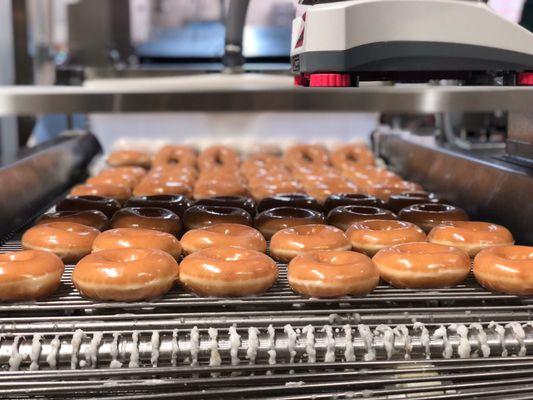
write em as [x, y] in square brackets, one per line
[459, 342]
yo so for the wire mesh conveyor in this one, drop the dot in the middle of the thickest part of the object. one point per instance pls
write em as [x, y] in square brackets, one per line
[460, 342]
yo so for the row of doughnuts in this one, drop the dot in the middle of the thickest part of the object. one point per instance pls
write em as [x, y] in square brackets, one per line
[218, 170]
[172, 213]
[320, 264]
[368, 224]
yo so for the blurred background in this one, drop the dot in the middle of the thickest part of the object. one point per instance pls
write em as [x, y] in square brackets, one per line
[130, 42]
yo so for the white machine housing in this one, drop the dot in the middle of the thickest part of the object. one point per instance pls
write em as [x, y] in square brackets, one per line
[408, 35]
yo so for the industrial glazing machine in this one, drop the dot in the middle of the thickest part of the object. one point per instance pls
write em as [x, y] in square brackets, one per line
[470, 145]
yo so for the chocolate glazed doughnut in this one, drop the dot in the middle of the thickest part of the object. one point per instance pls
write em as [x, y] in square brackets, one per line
[245, 203]
[200, 216]
[271, 221]
[429, 215]
[178, 204]
[297, 200]
[351, 199]
[397, 202]
[106, 205]
[154, 218]
[94, 218]
[344, 216]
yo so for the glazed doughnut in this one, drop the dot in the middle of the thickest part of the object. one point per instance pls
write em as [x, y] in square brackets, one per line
[344, 216]
[324, 189]
[81, 203]
[130, 176]
[397, 202]
[154, 218]
[118, 192]
[218, 157]
[262, 191]
[385, 191]
[68, 240]
[245, 203]
[94, 218]
[125, 274]
[119, 179]
[298, 200]
[329, 274]
[507, 269]
[351, 199]
[174, 173]
[137, 172]
[429, 215]
[206, 188]
[270, 221]
[138, 238]
[176, 203]
[125, 158]
[422, 265]
[372, 235]
[29, 275]
[291, 242]
[150, 186]
[368, 175]
[201, 216]
[182, 156]
[223, 235]
[471, 237]
[306, 154]
[351, 155]
[228, 271]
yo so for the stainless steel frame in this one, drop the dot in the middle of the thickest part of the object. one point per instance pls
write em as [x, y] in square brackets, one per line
[34, 180]
[479, 181]
[263, 95]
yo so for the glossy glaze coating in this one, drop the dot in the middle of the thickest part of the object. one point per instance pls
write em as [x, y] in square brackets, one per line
[183, 156]
[176, 203]
[507, 269]
[118, 178]
[326, 187]
[273, 220]
[344, 216]
[397, 202]
[351, 155]
[151, 186]
[137, 238]
[384, 191]
[81, 203]
[372, 235]
[123, 158]
[246, 203]
[218, 157]
[137, 172]
[29, 275]
[118, 192]
[211, 187]
[201, 216]
[471, 236]
[93, 218]
[306, 155]
[298, 200]
[351, 199]
[125, 274]
[329, 274]
[291, 242]
[68, 240]
[220, 235]
[422, 265]
[228, 271]
[429, 215]
[154, 218]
